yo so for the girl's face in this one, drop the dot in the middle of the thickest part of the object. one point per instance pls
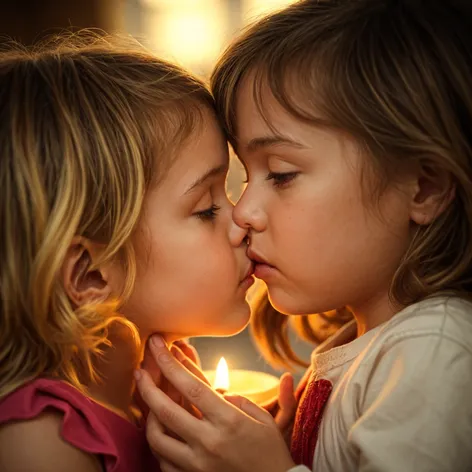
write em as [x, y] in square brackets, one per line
[324, 246]
[192, 269]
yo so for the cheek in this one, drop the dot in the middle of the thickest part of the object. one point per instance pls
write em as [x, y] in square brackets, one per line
[317, 227]
[185, 283]
[310, 218]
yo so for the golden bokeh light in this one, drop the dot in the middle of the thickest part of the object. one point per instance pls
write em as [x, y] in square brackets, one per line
[191, 33]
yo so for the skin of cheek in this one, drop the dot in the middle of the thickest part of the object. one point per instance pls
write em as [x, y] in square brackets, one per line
[186, 285]
[336, 252]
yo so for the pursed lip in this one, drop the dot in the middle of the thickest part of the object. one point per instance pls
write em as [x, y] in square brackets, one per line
[249, 272]
[257, 258]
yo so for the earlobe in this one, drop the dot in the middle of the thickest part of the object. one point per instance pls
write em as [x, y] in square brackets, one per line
[433, 193]
[83, 283]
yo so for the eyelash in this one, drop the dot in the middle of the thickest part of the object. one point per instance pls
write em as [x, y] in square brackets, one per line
[209, 214]
[281, 179]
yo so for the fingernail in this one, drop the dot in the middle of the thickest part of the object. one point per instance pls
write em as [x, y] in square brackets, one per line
[157, 341]
[137, 375]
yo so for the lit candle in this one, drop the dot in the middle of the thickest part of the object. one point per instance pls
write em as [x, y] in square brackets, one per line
[258, 387]
[221, 380]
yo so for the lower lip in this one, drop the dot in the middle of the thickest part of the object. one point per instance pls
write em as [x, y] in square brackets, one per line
[264, 271]
[246, 283]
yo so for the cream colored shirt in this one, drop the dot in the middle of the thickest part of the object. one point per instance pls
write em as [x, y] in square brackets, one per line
[402, 393]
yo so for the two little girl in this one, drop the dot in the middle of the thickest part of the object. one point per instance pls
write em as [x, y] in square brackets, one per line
[352, 119]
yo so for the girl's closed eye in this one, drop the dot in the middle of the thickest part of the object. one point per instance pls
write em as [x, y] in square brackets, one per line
[209, 214]
[281, 179]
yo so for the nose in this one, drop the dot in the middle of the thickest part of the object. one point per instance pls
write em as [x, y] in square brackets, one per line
[237, 235]
[249, 214]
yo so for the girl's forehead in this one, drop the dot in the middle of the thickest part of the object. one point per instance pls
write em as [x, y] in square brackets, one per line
[289, 100]
[266, 123]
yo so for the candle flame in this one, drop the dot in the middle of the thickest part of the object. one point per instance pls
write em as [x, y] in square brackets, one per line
[222, 376]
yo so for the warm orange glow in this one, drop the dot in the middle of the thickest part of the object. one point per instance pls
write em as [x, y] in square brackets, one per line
[189, 32]
[255, 8]
[222, 376]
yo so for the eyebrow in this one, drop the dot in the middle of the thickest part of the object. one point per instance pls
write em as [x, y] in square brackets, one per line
[268, 141]
[222, 169]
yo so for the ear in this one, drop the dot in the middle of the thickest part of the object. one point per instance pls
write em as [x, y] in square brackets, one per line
[433, 192]
[83, 282]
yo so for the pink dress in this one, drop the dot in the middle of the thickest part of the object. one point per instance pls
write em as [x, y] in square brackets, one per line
[86, 424]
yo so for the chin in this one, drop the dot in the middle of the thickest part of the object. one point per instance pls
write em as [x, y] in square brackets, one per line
[290, 304]
[230, 325]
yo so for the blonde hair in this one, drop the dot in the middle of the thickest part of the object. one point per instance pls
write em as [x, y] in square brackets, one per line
[394, 75]
[88, 124]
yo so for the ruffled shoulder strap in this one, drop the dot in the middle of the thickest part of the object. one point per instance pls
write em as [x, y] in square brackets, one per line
[83, 423]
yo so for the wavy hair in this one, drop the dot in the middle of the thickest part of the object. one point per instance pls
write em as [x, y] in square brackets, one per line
[88, 124]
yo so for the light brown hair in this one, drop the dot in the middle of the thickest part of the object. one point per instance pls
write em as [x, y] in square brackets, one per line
[394, 75]
[88, 124]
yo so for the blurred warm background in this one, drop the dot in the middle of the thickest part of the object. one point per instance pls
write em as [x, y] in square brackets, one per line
[192, 33]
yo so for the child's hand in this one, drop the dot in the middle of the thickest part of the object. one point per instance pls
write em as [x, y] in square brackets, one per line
[190, 352]
[285, 417]
[225, 438]
[188, 357]
[284, 407]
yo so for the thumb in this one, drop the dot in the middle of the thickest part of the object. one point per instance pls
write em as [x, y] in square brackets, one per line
[287, 401]
[250, 408]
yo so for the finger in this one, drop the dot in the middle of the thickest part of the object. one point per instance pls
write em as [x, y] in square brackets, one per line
[191, 409]
[250, 408]
[168, 413]
[189, 351]
[149, 364]
[153, 423]
[234, 400]
[151, 367]
[162, 383]
[167, 387]
[140, 404]
[212, 406]
[287, 402]
[166, 448]
[178, 398]
[286, 395]
[189, 364]
[172, 392]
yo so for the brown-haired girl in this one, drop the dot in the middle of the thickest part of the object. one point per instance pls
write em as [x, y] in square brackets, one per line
[115, 225]
[353, 121]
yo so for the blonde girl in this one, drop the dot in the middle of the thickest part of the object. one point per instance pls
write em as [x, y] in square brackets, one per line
[115, 225]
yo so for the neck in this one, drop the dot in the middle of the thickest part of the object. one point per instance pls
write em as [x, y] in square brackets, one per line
[373, 312]
[116, 367]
